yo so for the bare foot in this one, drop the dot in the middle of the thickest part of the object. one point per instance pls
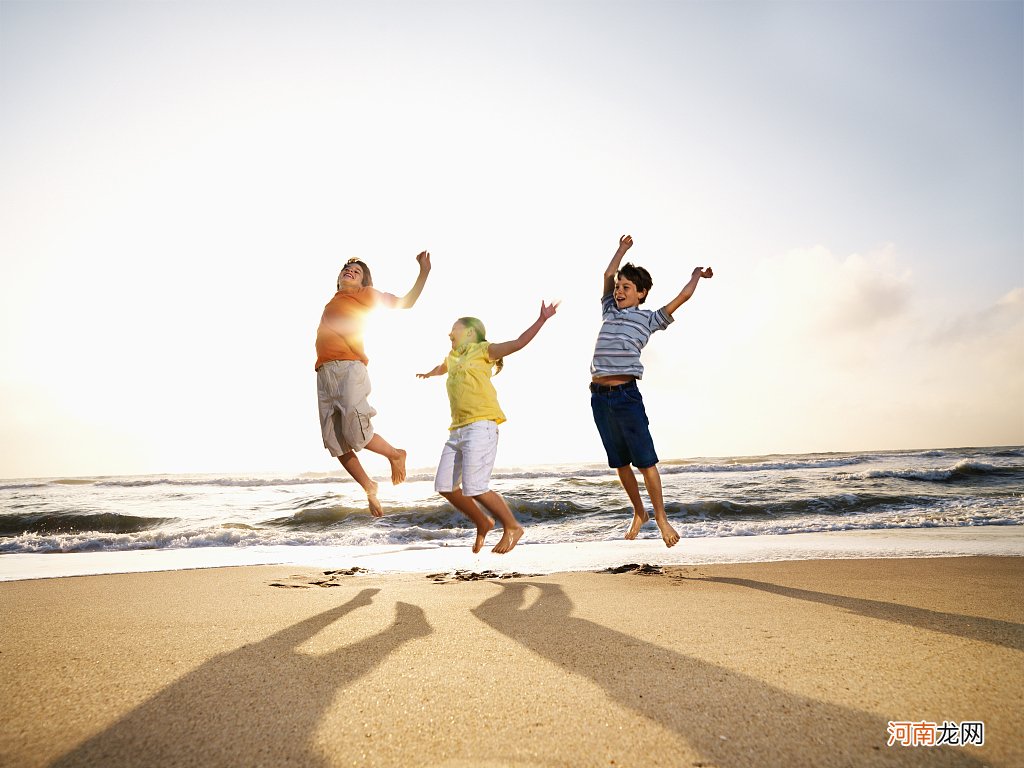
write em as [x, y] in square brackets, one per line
[481, 534]
[398, 467]
[668, 533]
[371, 497]
[509, 539]
[639, 518]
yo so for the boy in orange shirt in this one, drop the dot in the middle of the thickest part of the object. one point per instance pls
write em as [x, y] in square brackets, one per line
[341, 378]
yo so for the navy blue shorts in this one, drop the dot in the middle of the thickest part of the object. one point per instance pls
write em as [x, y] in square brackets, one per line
[622, 421]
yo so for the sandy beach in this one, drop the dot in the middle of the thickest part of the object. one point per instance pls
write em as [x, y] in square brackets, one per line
[758, 664]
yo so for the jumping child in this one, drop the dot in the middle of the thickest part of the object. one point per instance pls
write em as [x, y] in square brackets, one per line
[341, 380]
[468, 457]
[615, 398]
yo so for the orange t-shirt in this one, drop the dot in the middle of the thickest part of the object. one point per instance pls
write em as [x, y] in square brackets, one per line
[340, 335]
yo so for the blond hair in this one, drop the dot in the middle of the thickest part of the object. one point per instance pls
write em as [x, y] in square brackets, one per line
[477, 326]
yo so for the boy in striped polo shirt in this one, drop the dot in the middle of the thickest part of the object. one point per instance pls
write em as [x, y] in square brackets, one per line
[615, 398]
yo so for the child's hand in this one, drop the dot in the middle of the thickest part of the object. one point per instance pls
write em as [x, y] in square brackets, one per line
[548, 310]
[437, 370]
[424, 261]
[698, 272]
[625, 243]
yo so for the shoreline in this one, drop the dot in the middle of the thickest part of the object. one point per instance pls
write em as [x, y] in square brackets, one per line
[888, 543]
[800, 662]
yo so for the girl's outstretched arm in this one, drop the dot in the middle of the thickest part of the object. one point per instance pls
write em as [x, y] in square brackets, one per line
[501, 349]
[437, 370]
[625, 243]
[688, 289]
[421, 279]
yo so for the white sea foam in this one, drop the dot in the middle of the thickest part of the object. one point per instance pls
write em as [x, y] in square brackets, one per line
[537, 558]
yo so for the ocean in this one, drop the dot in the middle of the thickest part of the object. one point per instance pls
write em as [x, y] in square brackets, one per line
[271, 518]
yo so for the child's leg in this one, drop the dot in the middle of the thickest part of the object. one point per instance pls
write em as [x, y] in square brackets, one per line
[478, 449]
[396, 456]
[622, 423]
[652, 480]
[496, 505]
[469, 508]
[353, 466]
[640, 516]
[447, 482]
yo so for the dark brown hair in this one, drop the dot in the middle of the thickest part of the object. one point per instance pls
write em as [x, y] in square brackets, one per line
[639, 277]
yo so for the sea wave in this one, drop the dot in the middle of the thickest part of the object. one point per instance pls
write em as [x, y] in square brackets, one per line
[606, 530]
[838, 504]
[966, 469]
[317, 516]
[672, 467]
[743, 496]
[19, 485]
[325, 513]
[532, 511]
[70, 522]
[321, 517]
[584, 472]
[228, 535]
[540, 473]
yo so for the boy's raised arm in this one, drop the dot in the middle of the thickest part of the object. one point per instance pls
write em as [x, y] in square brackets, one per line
[688, 289]
[501, 349]
[625, 243]
[410, 298]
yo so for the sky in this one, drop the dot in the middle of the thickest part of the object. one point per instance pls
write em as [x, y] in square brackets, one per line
[180, 183]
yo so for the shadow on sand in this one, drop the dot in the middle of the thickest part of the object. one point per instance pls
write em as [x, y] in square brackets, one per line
[993, 631]
[258, 705]
[700, 701]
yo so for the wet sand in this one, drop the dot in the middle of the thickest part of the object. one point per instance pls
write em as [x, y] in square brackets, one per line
[772, 664]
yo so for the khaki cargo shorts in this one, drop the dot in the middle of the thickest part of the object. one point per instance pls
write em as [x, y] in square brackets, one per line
[342, 387]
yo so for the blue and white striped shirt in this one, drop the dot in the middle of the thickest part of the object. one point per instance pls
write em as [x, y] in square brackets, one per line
[624, 333]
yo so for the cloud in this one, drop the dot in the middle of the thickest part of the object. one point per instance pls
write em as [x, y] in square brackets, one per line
[821, 294]
[810, 350]
[1003, 321]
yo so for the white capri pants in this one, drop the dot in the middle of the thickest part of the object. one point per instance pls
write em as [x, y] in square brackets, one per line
[468, 459]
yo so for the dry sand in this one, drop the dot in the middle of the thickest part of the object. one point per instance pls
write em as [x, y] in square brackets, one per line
[776, 664]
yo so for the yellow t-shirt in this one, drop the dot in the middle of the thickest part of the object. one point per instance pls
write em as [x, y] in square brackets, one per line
[470, 391]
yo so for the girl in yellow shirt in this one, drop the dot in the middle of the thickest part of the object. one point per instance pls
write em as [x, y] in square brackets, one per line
[464, 471]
